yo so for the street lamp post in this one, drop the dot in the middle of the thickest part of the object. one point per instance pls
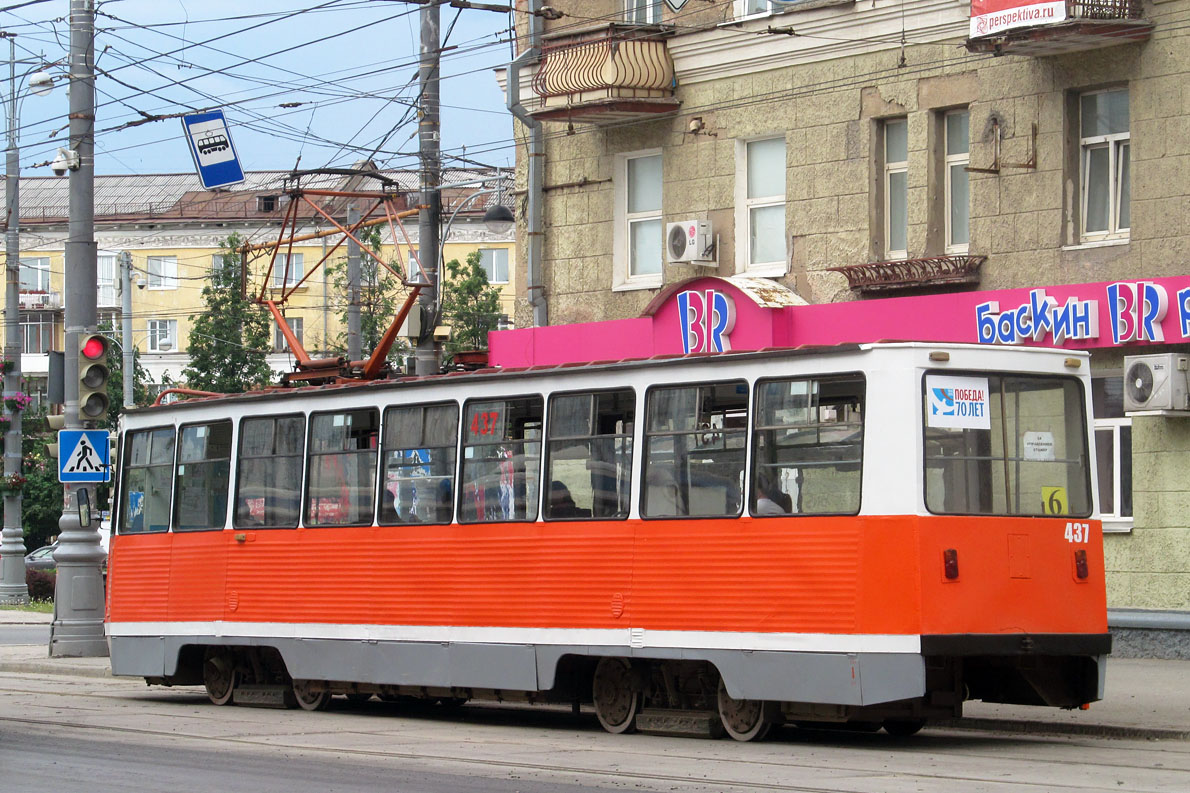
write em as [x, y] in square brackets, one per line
[13, 589]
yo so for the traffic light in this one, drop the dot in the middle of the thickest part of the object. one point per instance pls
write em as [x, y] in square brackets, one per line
[93, 374]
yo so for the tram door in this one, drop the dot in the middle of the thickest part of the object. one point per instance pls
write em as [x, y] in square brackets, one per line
[198, 547]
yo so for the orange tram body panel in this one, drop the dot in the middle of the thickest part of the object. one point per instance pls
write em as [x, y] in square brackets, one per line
[807, 615]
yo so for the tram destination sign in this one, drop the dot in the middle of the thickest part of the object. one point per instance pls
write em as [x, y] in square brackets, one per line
[83, 456]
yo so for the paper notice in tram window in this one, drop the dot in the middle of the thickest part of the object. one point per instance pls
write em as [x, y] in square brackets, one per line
[1039, 446]
[958, 403]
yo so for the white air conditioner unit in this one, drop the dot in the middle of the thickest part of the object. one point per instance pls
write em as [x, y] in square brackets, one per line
[1156, 382]
[690, 241]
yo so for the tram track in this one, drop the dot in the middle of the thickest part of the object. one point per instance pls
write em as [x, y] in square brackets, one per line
[528, 768]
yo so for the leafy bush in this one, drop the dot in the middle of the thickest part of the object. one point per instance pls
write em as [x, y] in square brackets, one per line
[41, 584]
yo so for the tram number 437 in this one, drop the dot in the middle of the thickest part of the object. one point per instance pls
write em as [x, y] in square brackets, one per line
[1078, 532]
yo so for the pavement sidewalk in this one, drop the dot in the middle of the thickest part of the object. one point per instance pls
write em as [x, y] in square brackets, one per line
[1145, 698]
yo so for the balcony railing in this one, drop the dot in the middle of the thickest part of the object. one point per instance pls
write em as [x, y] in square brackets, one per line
[931, 271]
[612, 74]
[1089, 24]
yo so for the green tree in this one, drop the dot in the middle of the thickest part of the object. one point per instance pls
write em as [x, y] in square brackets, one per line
[41, 502]
[228, 341]
[469, 304]
[381, 295]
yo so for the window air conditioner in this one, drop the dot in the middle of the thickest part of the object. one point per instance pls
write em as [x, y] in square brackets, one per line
[1156, 382]
[690, 241]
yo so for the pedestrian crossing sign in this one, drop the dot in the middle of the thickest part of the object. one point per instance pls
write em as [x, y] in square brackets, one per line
[83, 456]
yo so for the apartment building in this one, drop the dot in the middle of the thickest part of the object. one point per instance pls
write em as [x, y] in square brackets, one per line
[983, 171]
[174, 232]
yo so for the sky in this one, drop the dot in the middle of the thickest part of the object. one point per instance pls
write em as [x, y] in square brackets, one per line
[330, 82]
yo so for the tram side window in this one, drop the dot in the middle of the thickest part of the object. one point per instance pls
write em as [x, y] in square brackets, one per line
[1005, 445]
[694, 450]
[342, 467]
[419, 464]
[501, 460]
[269, 472]
[148, 479]
[204, 468]
[589, 455]
[807, 446]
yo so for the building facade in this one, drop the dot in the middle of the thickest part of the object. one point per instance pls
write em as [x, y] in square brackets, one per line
[175, 234]
[868, 156]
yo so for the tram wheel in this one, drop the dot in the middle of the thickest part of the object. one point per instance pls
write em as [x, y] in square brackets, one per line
[903, 728]
[310, 698]
[617, 701]
[219, 676]
[744, 719]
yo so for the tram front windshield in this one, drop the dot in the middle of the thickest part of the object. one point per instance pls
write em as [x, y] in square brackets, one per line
[1005, 445]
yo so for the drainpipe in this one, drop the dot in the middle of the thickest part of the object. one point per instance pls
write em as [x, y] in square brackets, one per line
[533, 222]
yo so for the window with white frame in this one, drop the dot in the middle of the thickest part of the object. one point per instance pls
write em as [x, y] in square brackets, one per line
[896, 188]
[105, 274]
[163, 272]
[1104, 144]
[642, 12]
[638, 228]
[760, 186]
[495, 264]
[297, 325]
[223, 267]
[957, 146]
[287, 270]
[163, 335]
[1113, 452]
[751, 8]
[37, 332]
[35, 274]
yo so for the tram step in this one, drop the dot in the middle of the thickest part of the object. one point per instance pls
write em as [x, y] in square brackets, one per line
[262, 696]
[664, 721]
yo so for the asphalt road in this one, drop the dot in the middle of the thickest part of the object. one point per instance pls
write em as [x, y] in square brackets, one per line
[93, 735]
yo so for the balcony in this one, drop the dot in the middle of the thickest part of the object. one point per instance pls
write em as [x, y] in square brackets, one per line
[1086, 25]
[611, 74]
[40, 301]
[928, 272]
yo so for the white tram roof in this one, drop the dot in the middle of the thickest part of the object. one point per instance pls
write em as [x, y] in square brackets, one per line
[593, 375]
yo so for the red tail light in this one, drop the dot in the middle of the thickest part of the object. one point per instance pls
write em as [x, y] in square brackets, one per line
[950, 564]
[1080, 564]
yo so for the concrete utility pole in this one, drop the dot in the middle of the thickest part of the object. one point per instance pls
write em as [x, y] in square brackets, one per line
[428, 220]
[354, 345]
[13, 589]
[128, 361]
[77, 629]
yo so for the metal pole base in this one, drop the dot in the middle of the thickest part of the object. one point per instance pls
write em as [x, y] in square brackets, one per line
[77, 630]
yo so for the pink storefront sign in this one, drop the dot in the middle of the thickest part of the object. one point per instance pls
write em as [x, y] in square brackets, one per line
[708, 315]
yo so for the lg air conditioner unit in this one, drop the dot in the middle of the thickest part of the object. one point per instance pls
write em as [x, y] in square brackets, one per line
[690, 241]
[1156, 382]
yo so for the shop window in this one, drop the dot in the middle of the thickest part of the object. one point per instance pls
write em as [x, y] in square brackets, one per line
[419, 464]
[1113, 452]
[204, 466]
[269, 472]
[501, 460]
[1104, 146]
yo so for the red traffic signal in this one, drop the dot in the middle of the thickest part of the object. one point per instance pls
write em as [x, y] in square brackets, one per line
[92, 377]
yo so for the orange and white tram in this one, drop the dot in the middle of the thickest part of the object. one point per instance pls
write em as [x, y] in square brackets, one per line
[871, 533]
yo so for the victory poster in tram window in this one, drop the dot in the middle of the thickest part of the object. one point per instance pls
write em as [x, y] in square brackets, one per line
[995, 16]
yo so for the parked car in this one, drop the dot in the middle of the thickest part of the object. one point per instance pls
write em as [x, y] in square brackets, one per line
[42, 558]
